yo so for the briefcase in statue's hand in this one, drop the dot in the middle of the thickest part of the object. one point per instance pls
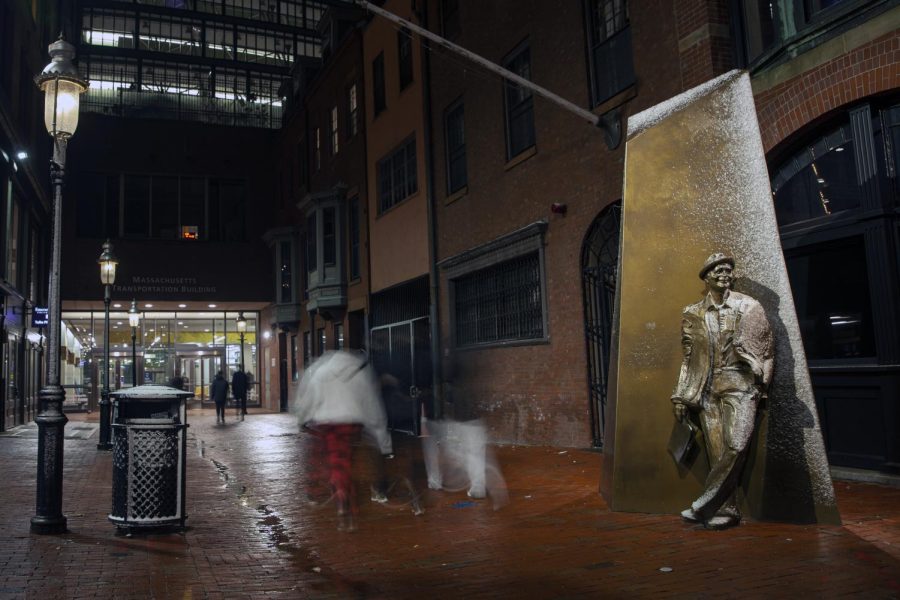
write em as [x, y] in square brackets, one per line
[682, 441]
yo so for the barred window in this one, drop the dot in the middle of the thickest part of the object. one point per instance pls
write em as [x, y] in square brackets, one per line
[500, 303]
[397, 176]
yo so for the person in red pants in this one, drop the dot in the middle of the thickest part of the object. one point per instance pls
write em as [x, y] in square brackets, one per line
[338, 402]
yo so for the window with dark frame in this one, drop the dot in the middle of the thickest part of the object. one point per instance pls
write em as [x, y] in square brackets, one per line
[137, 206]
[335, 135]
[161, 207]
[450, 18]
[519, 105]
[824, 194]
[318, 148]
[353, 218]
[818, 181]
[610, 54]
[311, 234]
[329, 237]
[455, 137]
[834, 313]
[302, 165]
[303, 267]
[295, 372]
[286, 272]
[164, 208]
[338, 336]
[767, 25]
[397, 178]
[307, 348]
[378, 98]
[352, 111]
[500, 303]
[405, 58]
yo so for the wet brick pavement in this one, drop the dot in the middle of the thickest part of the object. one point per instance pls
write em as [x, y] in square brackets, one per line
[252, 535]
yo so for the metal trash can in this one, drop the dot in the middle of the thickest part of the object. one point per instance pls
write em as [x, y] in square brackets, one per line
[149, 434]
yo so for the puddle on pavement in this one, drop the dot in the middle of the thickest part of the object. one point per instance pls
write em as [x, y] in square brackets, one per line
[272, 527]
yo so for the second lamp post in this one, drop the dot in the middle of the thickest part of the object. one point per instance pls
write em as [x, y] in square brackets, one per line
[134, 319]
[107, 262]
[242, 328]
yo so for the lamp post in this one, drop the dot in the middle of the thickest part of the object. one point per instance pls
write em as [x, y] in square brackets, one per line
[242, 328]
[107, 262]
[134, 319]
[62, 87]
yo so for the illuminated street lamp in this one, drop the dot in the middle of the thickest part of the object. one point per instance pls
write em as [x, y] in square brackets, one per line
[62, 87]
[107, 262]
[134, 319]
[242, 328]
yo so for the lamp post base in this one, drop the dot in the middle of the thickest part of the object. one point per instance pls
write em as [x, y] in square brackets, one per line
[48, 525]
[51, 422]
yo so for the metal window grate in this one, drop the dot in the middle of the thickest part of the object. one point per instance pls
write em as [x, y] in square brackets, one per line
[404, 302]
[500, 303]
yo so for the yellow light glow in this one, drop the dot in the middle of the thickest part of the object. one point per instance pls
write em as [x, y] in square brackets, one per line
[61, 101]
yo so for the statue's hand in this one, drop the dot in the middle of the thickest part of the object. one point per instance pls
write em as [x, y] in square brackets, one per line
[680, 410]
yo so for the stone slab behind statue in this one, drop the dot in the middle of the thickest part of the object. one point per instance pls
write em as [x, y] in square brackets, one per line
[696, 183]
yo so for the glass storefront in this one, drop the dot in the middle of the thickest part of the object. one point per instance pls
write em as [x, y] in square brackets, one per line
[191, 345]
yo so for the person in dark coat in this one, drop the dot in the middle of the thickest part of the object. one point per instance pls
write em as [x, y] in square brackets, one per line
[239, 390]
[177, 382]
[219, 392]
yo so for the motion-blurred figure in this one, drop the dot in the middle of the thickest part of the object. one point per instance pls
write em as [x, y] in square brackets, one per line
[455, 449]
[219, 392]
[337, 401]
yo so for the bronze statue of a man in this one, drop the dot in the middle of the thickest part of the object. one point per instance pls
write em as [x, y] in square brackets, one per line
[727, 367]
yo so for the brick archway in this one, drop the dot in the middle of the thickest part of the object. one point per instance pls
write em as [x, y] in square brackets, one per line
[788, 106]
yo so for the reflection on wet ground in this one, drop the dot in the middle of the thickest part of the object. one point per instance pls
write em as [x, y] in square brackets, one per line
[251, 534]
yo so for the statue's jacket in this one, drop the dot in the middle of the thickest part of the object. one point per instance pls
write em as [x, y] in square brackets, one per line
[744, 346]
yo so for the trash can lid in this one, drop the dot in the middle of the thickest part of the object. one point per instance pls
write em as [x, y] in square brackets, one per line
[151, 392]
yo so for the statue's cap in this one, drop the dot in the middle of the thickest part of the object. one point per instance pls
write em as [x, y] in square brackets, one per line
[715, 259]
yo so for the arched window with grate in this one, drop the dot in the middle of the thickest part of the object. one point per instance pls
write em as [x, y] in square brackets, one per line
[599, 264]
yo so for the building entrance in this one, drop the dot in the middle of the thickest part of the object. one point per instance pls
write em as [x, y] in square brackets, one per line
[193, 345]
[402, 351]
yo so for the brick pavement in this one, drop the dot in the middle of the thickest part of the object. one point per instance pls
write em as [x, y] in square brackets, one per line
[251, 535]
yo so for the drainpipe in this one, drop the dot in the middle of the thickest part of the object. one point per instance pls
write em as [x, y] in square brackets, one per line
[437, 403]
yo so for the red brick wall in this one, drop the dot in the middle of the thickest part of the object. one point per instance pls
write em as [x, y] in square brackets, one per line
[703, 38]
[537, 393]
[790, 105]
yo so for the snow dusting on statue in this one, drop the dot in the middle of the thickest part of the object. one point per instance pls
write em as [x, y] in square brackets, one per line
[726, 370]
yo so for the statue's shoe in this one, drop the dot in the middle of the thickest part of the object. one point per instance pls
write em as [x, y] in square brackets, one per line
[721, 522]
[689, 515]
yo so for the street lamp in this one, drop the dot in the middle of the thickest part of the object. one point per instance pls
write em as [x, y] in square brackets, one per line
[62, 87]
[107, 262]
[134, 319]
[242, 328]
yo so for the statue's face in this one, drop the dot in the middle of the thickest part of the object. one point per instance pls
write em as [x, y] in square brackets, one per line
[720, 277]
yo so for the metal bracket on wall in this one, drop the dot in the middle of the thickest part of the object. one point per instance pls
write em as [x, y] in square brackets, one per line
[611, 124]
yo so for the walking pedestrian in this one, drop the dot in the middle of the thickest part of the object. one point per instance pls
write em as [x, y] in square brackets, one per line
[250, 383]
[239, 390]
[177, 381]
[219, 392]
[337, 402]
